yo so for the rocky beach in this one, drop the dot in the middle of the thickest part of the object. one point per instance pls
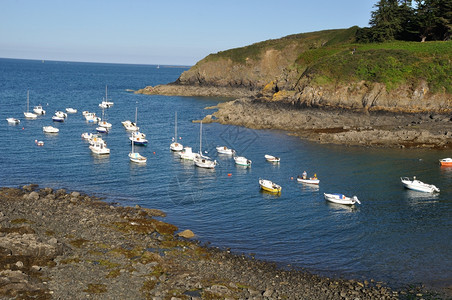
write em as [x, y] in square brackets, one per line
[57, 244]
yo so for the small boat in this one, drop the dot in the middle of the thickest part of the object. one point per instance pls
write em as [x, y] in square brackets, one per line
[87, 135]
[99, 147]
[311, 180]
[50, 129]
[101, 129]
[417, 185]
[56, 118]
[225, 150]
[242, 161]
[13, 120]
[71, 110]
[39, 143]
[341, 199]
[103, 122]
[201, 160]
[61, 114]
[130, 126]
[105, 103]
[91, 117]
[175, 146]
[445, 161]
[28, 114]
[138, 138]
[271, 158]
[95, 138]
[187, 153]
[269, 186]
[137, 157]
[39, 110]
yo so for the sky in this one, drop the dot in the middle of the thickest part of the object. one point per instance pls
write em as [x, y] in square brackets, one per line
[177, 32]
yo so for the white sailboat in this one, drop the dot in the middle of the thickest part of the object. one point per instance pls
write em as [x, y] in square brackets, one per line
[201, 160]
[137, 157]
[105, 103]
[28, 114]
[175, 146]
[130, 126]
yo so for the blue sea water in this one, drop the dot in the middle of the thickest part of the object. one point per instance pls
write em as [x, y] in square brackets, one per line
[396, 236]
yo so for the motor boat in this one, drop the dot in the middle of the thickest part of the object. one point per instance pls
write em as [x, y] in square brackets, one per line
[225, 150]
[269, 186]
[99, 147]
[271, 158]
[138, 138]
[187, 153]
[341, 199]
[242, 161]
[417, 185]
[311, 180]
[446, 162]
[50, 129]
[71, 110]
[39, 110]
[13, 120]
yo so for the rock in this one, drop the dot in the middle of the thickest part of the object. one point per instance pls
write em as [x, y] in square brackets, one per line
[188, 234]
[33, 196]
[75, 194]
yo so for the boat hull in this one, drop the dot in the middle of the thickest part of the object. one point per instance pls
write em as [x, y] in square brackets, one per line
[446, 162]
[341, 199]
[418, 186]
[308, 181]
[269, 186]
[271, 158]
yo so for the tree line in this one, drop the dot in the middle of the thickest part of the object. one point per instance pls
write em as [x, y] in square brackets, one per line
[407, 20]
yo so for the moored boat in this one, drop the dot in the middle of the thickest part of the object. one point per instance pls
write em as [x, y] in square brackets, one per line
[269, 186]
[28, 114]
[242, 161]
[50, 129]
[341, 199]
[446, 162]
[71, 110]
[417, 185]
[187, 154]
[137, 157]
[272, 158]
[176, 146]
[13, 120]
[56, 118]
[138, 138]
[225, 150]
[39, 110]
[87, 135]
[99, 147]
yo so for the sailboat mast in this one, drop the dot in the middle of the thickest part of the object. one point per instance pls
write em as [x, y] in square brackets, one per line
[136, 113]
[200, 139]
[175, 128]
[28, 100]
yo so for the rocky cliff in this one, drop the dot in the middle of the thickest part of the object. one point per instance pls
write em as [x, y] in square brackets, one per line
[327, 69]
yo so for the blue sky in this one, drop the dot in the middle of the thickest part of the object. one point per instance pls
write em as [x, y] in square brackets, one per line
[160, 32]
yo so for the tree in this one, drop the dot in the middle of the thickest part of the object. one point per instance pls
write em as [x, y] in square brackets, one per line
[385, 21]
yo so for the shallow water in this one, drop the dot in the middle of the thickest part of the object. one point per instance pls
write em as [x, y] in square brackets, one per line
[395, 235]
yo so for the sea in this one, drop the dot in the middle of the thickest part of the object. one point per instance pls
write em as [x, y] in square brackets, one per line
[396, 236]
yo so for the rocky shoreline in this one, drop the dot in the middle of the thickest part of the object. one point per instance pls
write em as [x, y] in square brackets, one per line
[66, 245]
[339, 126]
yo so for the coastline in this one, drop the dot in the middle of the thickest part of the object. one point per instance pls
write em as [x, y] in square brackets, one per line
[57, 244]
[339, 126]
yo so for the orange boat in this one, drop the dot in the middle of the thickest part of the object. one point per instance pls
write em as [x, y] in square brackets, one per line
[446, 162]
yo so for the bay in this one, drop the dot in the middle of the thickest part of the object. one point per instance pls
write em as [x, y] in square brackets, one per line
[395, 235]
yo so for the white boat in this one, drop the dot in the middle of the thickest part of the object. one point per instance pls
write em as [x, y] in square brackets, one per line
[101, 129]
[99, 147]
[272, 158]
[71, 110]
[39, 110]
[138, 138]
[269, 186]
[445, 161]
[91, 117]
[187, 153]
[175, 146]
[137, 157]
[56, 118]
[201, 160]
[341, 199]
[103, 122]
[417, 185]
[308, 180]
[50, 129]
[242, 161]
[28, 114]
[61, 114]
[225, 150]
[39, 143]
[105, 103]
[130, 126]
[87, 135]
[95, 138]
[13, 120]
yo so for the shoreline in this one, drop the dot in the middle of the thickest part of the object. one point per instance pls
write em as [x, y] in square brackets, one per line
[57, 244]
[327, 125]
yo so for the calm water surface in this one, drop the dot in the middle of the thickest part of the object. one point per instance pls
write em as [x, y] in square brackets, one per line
[397, 236]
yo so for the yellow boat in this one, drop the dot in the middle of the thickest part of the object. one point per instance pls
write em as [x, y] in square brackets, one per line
[269, 186]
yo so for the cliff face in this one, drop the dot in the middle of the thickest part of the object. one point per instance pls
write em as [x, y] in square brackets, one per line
[326, 69]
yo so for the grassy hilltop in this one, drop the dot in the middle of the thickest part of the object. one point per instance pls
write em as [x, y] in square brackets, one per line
[320, 67]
